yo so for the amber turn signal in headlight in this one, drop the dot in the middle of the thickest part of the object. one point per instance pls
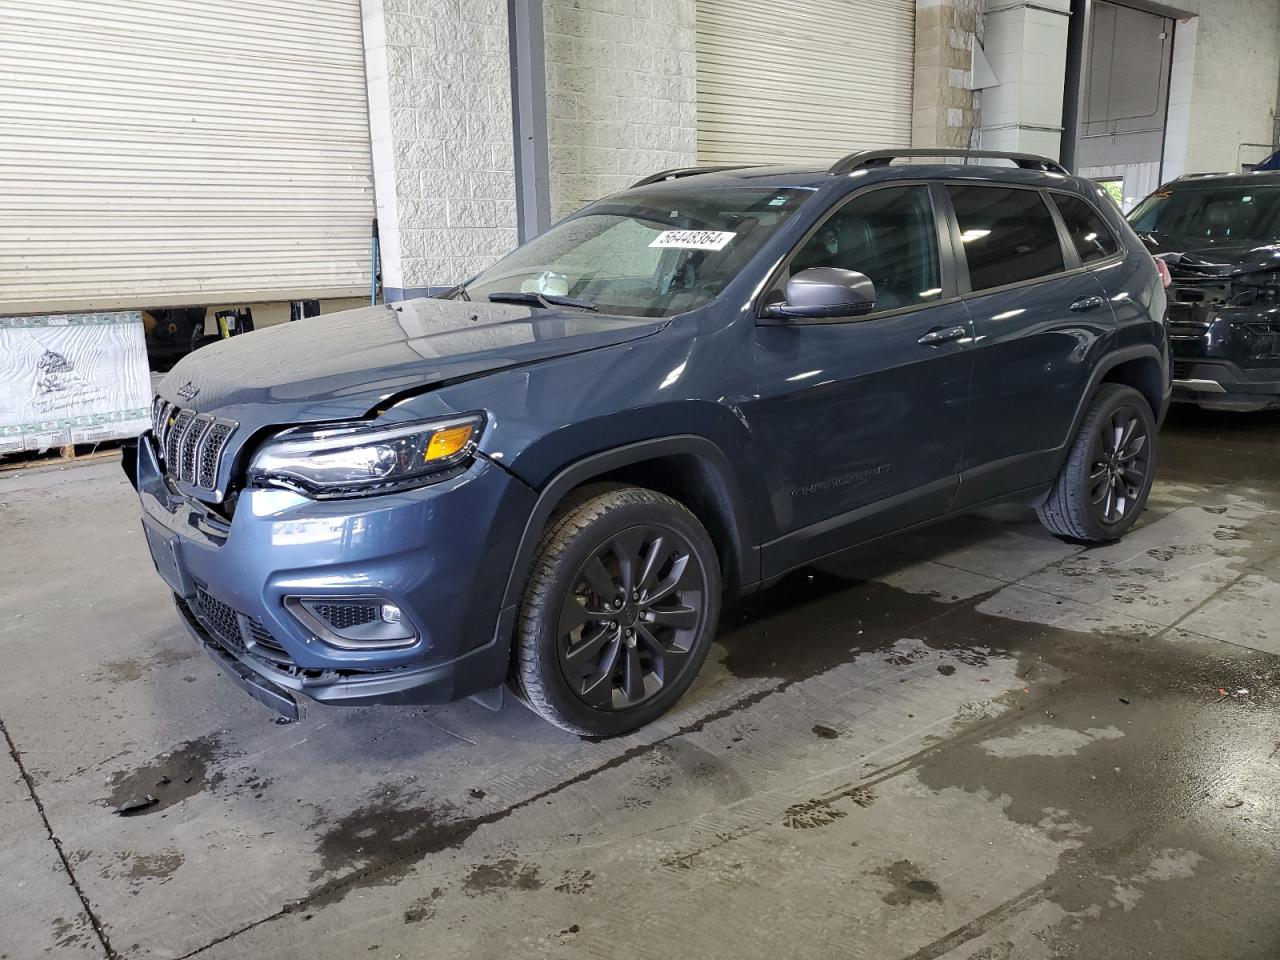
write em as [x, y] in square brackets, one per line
[351, 460]
[450, 441]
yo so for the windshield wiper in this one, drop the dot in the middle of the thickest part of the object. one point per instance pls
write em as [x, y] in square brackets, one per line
[547, 300]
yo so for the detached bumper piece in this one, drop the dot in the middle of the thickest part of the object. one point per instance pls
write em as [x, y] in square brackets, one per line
[267, 694]
[243, 648]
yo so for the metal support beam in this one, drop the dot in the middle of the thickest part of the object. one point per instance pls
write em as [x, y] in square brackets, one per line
[1073, 94]
[529, 116]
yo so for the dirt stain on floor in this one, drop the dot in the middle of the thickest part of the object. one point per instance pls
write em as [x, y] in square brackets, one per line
[909, 884]
[424, 908]
[126, 671]
[377, 843]
[500, 876]
[183, 772]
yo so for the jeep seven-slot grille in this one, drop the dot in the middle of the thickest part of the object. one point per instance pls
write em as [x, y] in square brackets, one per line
[190, 444]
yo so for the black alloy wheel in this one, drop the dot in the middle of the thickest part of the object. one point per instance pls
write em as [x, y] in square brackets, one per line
[1103, 486]
[629, 621]
[619, 611]
[1119, 465]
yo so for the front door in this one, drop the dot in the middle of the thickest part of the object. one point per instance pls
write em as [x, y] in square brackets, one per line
[858, 423]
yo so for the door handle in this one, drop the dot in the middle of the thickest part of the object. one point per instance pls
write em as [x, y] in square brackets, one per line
[943, 335]
[1085, 304]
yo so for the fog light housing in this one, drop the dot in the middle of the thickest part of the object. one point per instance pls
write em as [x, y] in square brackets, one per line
[354, 623]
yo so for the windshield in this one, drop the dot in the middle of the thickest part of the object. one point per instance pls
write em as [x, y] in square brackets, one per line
[1235, 214]
[650, 254]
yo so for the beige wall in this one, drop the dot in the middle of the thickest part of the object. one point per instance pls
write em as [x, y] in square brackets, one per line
[1222, 93]
[945, 112]
[620, 94]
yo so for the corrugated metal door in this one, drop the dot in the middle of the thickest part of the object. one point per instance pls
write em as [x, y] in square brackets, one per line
[166, 152]
[804, 80]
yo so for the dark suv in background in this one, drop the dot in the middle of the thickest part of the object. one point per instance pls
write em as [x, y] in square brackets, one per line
[1220, 236]
[550, 475]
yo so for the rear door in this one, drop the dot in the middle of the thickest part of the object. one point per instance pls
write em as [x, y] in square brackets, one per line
[1038, 318]
[858, 423]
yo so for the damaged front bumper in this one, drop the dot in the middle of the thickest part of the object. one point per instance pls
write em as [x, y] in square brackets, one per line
[1226, 357]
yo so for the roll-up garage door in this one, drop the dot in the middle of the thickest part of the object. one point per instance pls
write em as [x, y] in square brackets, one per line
[803, 80]
[168, 152]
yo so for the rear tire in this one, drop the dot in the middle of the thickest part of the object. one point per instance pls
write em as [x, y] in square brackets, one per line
[619, 612]
[1104, 484]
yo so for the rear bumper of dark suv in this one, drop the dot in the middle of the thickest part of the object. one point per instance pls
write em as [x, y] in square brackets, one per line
[441, 554]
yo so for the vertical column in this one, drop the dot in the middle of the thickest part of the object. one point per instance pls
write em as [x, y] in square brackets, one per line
[946, 103]
[382, 139]
[1026, 45]
[440, 119]
[529, 116]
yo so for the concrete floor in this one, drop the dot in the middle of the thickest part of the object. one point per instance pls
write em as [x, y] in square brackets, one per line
[972, 742]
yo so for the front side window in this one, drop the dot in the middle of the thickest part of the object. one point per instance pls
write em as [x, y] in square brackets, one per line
[652, 253]
[890, 236]
[1092, 238]
[1236, 214]
[1008, 235]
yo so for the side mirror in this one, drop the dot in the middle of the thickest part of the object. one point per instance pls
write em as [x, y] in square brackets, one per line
[825, 292]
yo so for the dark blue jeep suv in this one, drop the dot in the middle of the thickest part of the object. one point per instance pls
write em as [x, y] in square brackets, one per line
[551, 475]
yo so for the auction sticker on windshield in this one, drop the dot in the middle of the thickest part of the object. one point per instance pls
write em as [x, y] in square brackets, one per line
[693, 239]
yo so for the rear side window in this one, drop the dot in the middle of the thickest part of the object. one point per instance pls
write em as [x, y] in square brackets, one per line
[1008, 235]
[1089, 232]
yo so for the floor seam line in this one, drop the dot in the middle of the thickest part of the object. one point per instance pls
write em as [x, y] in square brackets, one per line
[27, 779]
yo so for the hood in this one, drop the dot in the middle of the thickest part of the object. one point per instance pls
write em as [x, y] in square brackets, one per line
[1193, 256]
[345, 364]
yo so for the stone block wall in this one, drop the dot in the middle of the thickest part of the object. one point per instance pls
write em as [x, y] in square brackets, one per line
[440, 120]
[621, 97]
[945, 111]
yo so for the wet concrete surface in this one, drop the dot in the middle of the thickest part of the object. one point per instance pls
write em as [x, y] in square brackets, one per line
[971, 742]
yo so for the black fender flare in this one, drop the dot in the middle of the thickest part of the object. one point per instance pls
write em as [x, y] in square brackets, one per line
[575, 474]
[1105, 365]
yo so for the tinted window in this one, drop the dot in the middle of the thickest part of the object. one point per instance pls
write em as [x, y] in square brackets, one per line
[1244, 214]
[890, 236]
[1008, 235]
[1089, 232]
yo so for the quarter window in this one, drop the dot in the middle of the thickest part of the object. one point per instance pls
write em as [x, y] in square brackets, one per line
[1089, 232]
[1008, 235]
[890, 236]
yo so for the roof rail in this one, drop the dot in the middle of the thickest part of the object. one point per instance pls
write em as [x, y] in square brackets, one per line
[1201, 176]
[882, 158]
[677, 172]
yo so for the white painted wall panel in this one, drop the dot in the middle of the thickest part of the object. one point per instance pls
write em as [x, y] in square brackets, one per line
[162, 152]
[806, 80]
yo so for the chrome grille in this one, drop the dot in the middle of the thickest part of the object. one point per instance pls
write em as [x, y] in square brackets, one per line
[190, 444]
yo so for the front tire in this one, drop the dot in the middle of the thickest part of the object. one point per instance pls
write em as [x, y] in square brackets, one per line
[1104, 484]
[619, 613]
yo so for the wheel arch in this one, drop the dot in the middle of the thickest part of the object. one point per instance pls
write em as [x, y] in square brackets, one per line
[1142, 367]
[1145, 373]
[688, 468]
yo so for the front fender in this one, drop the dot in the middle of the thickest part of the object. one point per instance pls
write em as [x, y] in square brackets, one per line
[587, 468]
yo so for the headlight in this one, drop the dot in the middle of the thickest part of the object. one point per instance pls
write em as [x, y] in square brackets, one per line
[346, 461]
